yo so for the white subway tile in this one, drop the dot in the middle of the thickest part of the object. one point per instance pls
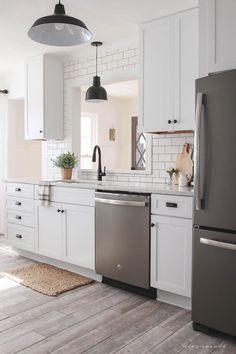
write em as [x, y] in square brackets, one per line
[178, 141]
[164, 141]
[165, 157]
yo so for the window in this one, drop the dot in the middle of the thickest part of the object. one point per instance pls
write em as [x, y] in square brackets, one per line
[138, 147]
[88, 140]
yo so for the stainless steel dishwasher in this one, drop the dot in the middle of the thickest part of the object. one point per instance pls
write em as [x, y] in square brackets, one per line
[122, 224]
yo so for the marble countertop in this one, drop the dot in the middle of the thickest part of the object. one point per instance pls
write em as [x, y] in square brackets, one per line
[115, 186]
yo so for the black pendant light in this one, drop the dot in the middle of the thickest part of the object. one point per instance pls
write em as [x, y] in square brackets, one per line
[59, 29]
[96, 93]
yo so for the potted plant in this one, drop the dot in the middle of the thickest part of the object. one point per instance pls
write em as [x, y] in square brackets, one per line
[171, 172]
[66, 162]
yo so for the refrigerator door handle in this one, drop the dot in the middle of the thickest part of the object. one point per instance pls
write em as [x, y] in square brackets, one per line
[214, 243]
[197, 151]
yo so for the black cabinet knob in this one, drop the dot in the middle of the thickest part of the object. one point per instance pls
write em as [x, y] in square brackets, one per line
[62, 211]
[18, 189]
[58, 210]
[40, 131]
[169, 121]
[18, 236]
[175, 121]
[18, 217]
[18, 203]
[152, 224]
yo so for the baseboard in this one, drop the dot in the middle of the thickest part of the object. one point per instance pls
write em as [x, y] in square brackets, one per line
[60, 264]
[174, 299]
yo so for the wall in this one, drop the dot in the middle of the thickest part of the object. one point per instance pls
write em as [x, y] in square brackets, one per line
[116, 113]
[115, 64]
[23, 156]
[3, 120]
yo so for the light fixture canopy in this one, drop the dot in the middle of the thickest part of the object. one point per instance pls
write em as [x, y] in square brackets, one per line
[59, 29]
[96, 93]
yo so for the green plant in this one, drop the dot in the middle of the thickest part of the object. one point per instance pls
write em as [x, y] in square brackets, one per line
[171, 171]
[67, 160]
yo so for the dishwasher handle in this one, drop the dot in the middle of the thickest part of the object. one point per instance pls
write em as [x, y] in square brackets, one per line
[121, 202]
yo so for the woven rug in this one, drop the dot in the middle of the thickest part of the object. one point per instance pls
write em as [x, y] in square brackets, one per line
[46, 279]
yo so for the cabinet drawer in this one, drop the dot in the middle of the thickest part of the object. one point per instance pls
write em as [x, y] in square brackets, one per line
[20, 190]
[20, 236]
[72, 196]
[20, 218]
[20, 204]
[172, 205]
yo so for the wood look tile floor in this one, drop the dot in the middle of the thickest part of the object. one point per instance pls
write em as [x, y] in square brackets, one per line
[94, 319]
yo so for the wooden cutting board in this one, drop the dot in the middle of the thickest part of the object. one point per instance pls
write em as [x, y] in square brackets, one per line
[184, 162]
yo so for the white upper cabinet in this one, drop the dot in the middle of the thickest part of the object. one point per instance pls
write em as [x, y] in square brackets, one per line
[44, 98]
[217, 30]
[168, 70]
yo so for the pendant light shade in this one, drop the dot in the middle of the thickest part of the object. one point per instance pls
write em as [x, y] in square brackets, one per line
[59, 29]
[96, 93]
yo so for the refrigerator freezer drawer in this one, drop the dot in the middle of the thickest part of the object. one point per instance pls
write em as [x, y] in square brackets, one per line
[214, 285]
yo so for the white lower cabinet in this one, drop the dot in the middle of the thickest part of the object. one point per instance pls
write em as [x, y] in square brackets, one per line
[49, 230]
[79, 237]
[66, 232]
[171, 254]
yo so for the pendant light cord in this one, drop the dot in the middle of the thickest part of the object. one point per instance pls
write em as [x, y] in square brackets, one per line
[96, 60]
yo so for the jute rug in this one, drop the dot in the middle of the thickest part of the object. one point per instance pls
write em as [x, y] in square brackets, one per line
[46, 279]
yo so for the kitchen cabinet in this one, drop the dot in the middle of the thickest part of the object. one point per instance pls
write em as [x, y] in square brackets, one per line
[217, 32]
[168, 69]
[171, 254]
[79, 235]
[44, 98]
[49, 230]
[66, 232]
[20, 215]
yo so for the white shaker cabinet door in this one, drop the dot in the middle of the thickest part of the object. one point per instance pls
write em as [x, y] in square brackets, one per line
[49, 221]
[217, 33]
[79, 235]
[34, 102]
[156, 74]
[171, 254]
[186, 69]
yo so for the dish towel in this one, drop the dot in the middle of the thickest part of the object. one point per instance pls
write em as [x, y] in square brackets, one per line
[44, 194]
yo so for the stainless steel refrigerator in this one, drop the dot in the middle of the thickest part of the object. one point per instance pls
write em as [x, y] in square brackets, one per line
[214, 228]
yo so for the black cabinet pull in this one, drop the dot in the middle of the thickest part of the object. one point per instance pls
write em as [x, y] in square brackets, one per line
[18, 203]
[18, 236]
[171, 205]
[169, 121]
[175, 121]
[152, 224]
[40, 131]
[62, 211]
[18, 217]
[58, 210]
[18, 189]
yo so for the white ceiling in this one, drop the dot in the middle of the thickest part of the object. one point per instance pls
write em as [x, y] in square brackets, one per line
[124, 89]
[108, 20]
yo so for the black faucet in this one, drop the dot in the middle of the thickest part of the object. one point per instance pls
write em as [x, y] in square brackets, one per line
[100, 173]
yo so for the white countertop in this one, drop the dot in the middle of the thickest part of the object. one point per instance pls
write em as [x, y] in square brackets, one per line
[115, 186]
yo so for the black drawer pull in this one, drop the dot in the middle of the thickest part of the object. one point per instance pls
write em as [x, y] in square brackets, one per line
[18, 203]
[171, 205]
[18, 217]
[18, 189]
[18, 236]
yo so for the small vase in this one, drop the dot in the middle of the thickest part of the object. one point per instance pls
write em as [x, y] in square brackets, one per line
[66, 173]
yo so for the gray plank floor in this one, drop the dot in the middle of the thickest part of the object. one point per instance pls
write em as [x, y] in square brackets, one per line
[94, 319]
